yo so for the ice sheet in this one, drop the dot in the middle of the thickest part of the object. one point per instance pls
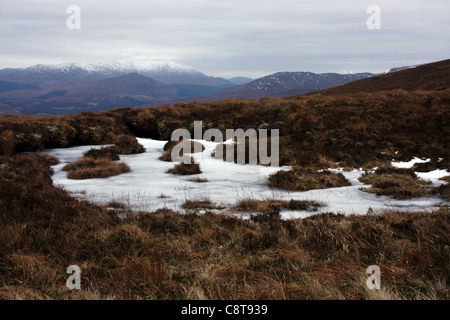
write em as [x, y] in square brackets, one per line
[148, 187]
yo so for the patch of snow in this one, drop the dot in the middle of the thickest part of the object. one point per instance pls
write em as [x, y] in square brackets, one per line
[409, 164]
[148, 187]
[145, 65]
[433, 176]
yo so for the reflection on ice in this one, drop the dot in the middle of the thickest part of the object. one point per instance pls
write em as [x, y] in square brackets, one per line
[148, 187]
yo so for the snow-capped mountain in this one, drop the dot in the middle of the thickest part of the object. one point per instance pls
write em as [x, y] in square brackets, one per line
[147, 66]
[285, 81]
[75, 87]
[400, 69]
[58, 74]
[285, 84]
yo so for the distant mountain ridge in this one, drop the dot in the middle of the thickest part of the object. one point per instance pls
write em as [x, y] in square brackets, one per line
[285, 84]
[240, 80]
[69, 87]
[129, 90]
[78, 87]
[57, 74]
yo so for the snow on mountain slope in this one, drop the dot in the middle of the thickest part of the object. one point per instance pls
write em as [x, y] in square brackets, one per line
[57, 74]
[285, 84]
[399, 69]
[285, 81]
[121, 66]
[77, 87]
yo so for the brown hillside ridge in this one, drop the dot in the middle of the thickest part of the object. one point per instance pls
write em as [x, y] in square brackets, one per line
[428, 77]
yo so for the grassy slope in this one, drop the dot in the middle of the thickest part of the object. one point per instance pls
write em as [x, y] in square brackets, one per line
[432, 76]
[355, 130]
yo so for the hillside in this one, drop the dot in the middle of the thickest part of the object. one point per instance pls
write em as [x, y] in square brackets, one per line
[432, 76]
[128, 90]
[285, 84]
[76, 87]
[58, 74]
[11, 86]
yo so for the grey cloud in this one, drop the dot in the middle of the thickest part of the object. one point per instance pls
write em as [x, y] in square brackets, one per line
[233, 37]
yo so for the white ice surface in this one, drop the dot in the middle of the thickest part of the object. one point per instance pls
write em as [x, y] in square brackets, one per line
[409, 164]
[433, 176]
[148, 187]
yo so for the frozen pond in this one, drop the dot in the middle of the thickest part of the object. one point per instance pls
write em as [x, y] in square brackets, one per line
[148, 187]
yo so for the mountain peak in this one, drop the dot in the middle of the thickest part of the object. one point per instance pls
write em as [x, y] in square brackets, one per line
[161, 70]
[285, 84]
[123, 66]
[148, 65]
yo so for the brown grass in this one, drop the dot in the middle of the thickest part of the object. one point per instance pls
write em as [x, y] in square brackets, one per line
[48, 159]
[90, 168]
[395, 182]
[7, 142]
[125, 144]
[99, 163]
[199, 180]
[443, 191]
[201, 204]
[166, 255]
[252, 205]
[33, 133]
[431, 165]
[105, 152]
[299, 179]
[269, 210]
[186, 168]
[188, 145]
[247, 151]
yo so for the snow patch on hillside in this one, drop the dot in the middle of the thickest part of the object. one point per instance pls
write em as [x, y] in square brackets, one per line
[148, 187]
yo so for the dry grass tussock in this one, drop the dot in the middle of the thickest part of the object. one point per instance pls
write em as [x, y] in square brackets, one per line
[90, 168]
[273, 204]
[188, 145]
[100, 163]
[398, 183]
[300, 179]
[186, 168]
[205, 204]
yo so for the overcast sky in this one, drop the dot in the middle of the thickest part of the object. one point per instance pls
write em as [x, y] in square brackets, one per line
[228, 37]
